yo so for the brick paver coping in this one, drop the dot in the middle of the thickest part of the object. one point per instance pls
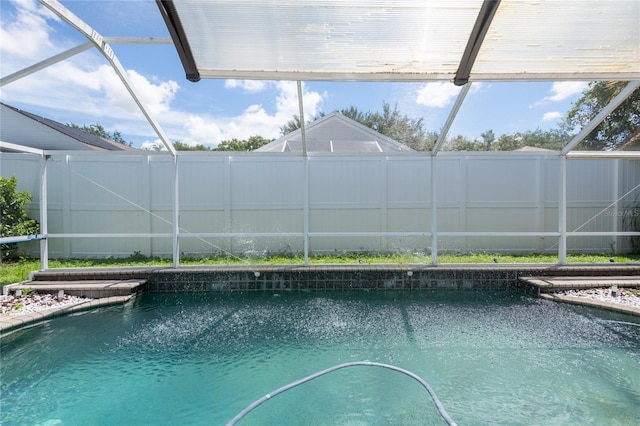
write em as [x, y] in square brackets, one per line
[9, 323]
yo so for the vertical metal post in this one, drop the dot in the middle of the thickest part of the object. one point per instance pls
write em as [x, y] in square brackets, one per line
[302, 129]
[44, 242]
[616, 198]
[306, 210]
[562, 211]
[305, 160]
[434, 213]
[176, 214]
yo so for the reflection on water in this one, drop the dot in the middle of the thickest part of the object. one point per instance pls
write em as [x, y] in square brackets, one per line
[492, 358]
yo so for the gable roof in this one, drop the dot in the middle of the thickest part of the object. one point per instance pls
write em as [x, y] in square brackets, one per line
[24, 128]
[335, 133]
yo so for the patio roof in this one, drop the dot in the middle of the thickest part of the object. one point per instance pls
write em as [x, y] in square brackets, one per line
[382, 40]
[360, 40]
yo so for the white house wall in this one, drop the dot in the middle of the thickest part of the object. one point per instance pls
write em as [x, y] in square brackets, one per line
[264, 193]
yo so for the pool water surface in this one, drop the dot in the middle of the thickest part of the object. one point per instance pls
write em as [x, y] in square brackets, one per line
[492, 357]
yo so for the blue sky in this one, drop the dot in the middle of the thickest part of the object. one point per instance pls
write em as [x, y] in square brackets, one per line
[85, 90]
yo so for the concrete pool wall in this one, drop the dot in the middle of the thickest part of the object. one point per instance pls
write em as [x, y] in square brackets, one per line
[335, 277]
[318, 277]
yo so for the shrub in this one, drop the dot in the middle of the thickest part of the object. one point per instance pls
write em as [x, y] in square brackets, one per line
[13, 216]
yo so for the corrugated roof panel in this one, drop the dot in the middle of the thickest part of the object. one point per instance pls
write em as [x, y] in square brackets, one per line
[405, 39]
[327, 39]
[559, 39]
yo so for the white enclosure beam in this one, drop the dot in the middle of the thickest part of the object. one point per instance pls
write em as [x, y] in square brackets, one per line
[452, 116]
[588, 128]
[108, 53]
[615, 191]
[562, 211]
[176, 214]
[76, 50]
[434, 213]
[612, 155]
[45, 63]
[301, 112]
[44, 215]
[306, 174]
[138, 40]
[6, 146]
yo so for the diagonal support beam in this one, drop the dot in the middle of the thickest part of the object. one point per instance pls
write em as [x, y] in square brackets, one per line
[451, 118]
[485, 16]
[588, 128]
[97, 40]
[76, 50]
[47, 62]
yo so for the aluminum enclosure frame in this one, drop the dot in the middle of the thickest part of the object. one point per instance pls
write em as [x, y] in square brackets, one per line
[102, 44]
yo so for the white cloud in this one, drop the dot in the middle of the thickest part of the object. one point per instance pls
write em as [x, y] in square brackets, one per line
[441, 94]
[156, 145]
[249, 86]
[437, 95]
[562, 90]
[85, 89]
[255, 119]
[83, 84]
[551, 115]
[27, 36]
[201, 131]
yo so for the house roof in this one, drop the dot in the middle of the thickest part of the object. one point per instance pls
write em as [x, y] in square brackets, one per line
[24, 128]
[335, 133]
[409, 40]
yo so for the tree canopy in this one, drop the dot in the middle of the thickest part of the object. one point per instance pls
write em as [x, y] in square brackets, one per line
[99, 130]
[294, 124]
[391, 123]
[181, 146]
[620, 127]
[251, 144]
[15, 221]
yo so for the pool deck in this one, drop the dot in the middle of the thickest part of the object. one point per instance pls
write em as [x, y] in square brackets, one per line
[9, 323]
[99, 292]
[615, 307]
[108, 286]
[547, 288]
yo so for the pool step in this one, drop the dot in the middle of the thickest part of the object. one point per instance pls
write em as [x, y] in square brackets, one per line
[553, 284]
[94, 289]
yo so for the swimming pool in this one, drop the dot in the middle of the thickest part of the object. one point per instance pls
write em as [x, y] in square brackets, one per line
[492, 357]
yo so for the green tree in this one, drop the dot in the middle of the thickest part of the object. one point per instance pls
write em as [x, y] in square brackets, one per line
[390, 122]
[488, 137]
[553, 139]
[509, 142]
[395, 125]
[251, 144]
[461, 143]
[181, 146]
[13, 216]
[291, 126]
[99, 130]
[618, 128]
[295, 123]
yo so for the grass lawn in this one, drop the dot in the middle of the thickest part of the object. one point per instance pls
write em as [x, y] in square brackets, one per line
[16, 271]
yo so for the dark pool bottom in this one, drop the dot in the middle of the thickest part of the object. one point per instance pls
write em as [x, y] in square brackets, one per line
[492, 357]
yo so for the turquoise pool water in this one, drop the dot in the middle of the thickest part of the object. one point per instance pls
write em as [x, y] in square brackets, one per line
[176, 358]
